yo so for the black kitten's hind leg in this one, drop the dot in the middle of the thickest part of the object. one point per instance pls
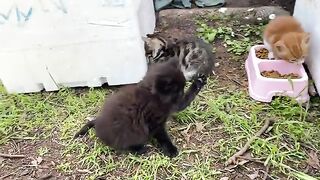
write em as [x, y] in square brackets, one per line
[138, 149]
[165, 143]
[84, 129]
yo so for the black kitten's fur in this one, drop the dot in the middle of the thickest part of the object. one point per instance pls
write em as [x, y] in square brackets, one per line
[139, 112]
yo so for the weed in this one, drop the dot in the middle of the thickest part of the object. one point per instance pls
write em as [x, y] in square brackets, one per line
[64, 167]
[237, 39]
[43, 151]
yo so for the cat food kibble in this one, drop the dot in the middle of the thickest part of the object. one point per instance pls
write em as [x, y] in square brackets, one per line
[262, 53]
[277, 75]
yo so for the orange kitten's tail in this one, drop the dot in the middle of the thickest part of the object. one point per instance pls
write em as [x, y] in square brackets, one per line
[85, 129]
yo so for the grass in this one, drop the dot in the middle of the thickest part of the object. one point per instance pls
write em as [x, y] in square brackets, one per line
[207, 133]
[39, 115]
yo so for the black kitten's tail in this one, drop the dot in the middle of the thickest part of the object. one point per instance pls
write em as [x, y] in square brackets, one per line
[85, 129]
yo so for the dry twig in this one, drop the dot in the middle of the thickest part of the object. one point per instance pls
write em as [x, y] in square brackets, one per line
[232, 159]
[234, 80]
[11, 155]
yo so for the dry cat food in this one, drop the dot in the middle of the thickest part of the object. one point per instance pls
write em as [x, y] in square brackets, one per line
[262, 53]
[277, 75]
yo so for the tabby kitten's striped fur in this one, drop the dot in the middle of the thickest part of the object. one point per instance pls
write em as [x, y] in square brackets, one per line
[195, 56]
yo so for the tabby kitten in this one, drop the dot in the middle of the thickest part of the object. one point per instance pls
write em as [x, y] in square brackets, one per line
[285, 39]
[137, 113]
[194, 55]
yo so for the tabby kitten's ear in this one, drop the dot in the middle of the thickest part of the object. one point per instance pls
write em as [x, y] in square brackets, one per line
[146, 40]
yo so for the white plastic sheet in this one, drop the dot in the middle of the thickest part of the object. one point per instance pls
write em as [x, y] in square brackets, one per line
[46, 44]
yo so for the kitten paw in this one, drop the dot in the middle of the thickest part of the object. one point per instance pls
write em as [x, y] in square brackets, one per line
[170, 151]
[138, 149]
[201, 80]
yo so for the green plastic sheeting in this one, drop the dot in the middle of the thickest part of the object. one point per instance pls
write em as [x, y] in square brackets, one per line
[163, 4]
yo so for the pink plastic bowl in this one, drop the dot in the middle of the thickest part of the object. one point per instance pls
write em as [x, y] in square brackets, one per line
[264, 89]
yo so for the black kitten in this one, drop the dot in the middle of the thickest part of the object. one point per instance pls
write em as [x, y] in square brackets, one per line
[137, 113]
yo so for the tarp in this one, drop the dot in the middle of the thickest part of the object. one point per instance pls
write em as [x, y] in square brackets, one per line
[163, 4]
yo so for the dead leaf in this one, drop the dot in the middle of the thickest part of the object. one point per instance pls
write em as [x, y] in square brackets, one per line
[254, 175]
[199, 126]
[187, 138]
[186, 134]
[1, 160]
[103, 157]
[224, 178]
[34, 162]
[39, 160]
[313, 160]
[24, 172]
[231, 168]
[53, 163]
[247, 156]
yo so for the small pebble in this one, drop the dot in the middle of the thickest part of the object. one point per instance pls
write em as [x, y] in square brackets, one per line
[251, 9]
[222, 10]
[272, 16]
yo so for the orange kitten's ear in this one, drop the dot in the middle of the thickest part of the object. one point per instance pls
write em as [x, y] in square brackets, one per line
[306, 38]
[280, 46]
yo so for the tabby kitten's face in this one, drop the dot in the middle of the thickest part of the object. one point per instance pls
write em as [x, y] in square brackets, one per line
[154, 47]
[191, 62]
[293, 47]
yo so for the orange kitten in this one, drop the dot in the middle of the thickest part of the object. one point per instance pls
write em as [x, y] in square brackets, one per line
[285, 39]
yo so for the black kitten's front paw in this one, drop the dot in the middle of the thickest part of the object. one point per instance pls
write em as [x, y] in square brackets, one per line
[138, 149]
[201, 80]
[170, 151]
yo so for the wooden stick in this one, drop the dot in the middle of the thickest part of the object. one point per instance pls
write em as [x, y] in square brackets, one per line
[233, 80]
[232, 159]
[11, 155]
[49, 176]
